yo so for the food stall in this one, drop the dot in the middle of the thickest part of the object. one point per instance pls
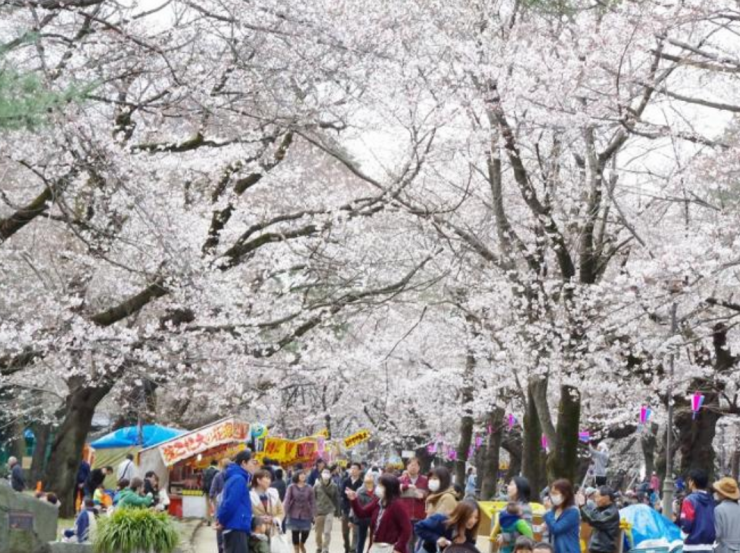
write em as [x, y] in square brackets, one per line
[180, 462]
[111, 449]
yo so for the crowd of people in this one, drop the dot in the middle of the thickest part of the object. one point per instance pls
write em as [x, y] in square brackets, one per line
[406, 511]
[262, 508]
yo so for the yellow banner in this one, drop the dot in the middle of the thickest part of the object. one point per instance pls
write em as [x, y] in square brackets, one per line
[356, 439]
[291, 451]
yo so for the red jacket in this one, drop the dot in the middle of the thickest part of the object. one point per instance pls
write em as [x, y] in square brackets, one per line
[414, 506]
[394, 526]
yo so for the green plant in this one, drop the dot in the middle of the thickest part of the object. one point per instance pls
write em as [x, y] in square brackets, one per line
[131, 530]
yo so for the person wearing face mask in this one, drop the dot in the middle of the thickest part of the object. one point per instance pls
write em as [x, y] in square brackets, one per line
[442, 498]
[461, 527]
[603, 519]
[389, 522]
[327, 507]
[727, 516]
[563, 519]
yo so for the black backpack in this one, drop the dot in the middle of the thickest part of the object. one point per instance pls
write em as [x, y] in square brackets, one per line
[208, 477]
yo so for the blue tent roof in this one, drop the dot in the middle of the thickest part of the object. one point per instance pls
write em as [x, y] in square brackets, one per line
[153, 434]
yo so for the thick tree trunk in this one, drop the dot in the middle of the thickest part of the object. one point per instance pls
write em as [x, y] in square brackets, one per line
[696, 435]
[18, 446]
[562, 460]
[463, 446]
[735, 464]
[38, 464]
[512, 443]
[466, 423]
[66, 452]
[649, 445]
[533, 457]
[426, 461]
[491, 455]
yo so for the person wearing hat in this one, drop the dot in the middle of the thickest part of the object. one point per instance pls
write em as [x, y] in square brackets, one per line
[727, 516]
[604, 520]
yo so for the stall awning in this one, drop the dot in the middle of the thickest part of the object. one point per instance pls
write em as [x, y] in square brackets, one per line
[225, 431]
[152, 435]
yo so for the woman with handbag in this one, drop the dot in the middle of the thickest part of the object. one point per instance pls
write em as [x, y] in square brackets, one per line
[266, 502]
[389, 521]
[300, 508]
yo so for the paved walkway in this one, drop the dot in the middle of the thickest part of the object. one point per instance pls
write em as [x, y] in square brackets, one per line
[205, 540]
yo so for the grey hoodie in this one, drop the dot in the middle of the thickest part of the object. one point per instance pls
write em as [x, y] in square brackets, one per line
[727, 525]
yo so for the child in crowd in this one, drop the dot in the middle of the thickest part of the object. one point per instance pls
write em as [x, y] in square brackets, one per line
[523, 545]
[85, 525]
[509, 527]
[258, 540]
[122, 485]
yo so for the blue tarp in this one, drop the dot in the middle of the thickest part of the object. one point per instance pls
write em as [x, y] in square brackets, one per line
[649, 524]
[129, 437]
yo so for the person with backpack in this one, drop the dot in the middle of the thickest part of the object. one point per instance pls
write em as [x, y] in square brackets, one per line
[126, 469]
[697, 514]
[208, 475]
[327, 507]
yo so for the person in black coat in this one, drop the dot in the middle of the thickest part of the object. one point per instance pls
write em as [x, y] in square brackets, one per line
[279, 484]
[604, 520]
[95, 479]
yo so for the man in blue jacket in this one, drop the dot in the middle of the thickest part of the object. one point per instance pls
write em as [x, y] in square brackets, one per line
[234, 513]
[697, 514]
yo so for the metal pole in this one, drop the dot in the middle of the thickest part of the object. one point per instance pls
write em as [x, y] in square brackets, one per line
[668, 484]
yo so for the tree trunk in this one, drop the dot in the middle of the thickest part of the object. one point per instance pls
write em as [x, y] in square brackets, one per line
[426, 460]
[696, 435]
[512, 443]
[649, 445]
[491, 455]
[466, 423]
[38, 464]
[463, 447]
[735, 464]
[66, 451]
[562, 460]
[533, 457]
[18, 446]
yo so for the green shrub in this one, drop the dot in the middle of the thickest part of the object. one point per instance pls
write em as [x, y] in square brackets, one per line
[132, 530]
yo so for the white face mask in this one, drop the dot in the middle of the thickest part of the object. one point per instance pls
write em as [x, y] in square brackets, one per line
[434, 485]
[326, 475]
[557, 500]
[380, 492]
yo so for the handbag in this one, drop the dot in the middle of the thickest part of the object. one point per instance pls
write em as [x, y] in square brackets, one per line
[279, 543]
